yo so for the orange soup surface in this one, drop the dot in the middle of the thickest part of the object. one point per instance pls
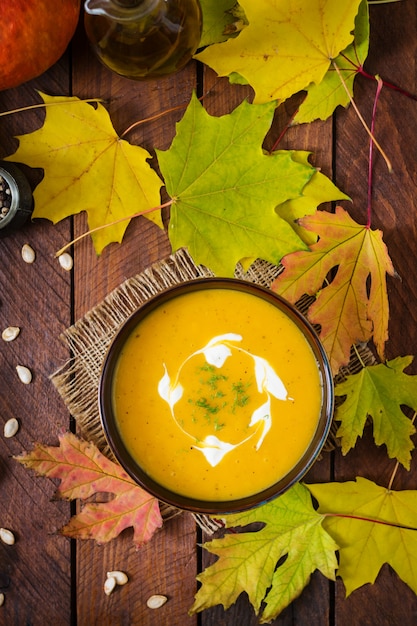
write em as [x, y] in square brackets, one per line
[217, 394]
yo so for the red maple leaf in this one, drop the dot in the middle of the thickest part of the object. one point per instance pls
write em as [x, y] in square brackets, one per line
[84, 472]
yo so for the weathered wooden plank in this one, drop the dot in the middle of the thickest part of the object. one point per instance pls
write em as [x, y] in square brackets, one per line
[392, 55]
[168, 565]
[221, 98]
[37, 299]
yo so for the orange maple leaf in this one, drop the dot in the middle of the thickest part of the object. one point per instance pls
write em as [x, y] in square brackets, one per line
[348, 308]
[84, 471]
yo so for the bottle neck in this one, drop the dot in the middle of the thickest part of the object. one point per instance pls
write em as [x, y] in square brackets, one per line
[128, 4]
[121, 10]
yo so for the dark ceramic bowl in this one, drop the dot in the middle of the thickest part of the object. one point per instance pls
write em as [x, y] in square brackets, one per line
[115, 440]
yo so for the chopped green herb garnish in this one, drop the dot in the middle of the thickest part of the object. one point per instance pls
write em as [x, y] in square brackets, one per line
[204, 404]
[216, 393]
[241, 398]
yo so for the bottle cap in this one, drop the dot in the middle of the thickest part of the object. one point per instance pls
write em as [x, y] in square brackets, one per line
[16, 201]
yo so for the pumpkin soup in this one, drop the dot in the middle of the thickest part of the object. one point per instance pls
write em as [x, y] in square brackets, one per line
[217, 394]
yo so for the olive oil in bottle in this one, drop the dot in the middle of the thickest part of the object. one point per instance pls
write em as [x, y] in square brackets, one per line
[143, 39]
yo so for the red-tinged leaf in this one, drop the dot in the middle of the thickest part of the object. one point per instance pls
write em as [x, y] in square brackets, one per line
[84, 471]
[106, 520]
[344, 308]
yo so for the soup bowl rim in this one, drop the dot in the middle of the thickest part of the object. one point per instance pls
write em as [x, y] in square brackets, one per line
[132, 467]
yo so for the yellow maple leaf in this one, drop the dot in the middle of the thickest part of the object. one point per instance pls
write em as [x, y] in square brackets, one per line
[373, 526]
[87, 167]
[347, 312]
[287, 46]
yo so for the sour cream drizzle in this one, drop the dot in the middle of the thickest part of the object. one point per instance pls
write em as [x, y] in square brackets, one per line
[216, 352]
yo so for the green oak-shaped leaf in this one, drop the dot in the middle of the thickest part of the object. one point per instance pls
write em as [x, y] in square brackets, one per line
[248, 560]
[323, 98]
[379, 391]
[225, 188]
[373, 526]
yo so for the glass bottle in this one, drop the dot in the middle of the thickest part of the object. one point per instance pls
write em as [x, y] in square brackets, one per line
[143, 39]
[16, 202]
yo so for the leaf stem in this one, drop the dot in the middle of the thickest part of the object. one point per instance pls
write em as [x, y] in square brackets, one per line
[157, 116]
[358, 113]
[361, 518]
[387, 84]
[102, 226]
[397, 465]
[359, 356]
[383, 1]
[371, 152]
[284, 130]
[152, 118]
[47, 104]
[359, 69]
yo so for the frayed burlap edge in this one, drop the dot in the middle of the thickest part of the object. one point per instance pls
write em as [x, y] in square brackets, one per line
[90, 337]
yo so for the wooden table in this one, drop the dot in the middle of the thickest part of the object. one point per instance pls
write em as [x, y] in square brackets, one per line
[50, 580]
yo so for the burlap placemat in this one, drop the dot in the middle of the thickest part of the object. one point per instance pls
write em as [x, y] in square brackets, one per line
[90, 337]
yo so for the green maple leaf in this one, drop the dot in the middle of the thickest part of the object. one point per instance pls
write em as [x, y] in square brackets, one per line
[248, 560]
[324, 97]
[287, 46]
[318, 189]
[385, 534]
[379, 391]
[225, 188]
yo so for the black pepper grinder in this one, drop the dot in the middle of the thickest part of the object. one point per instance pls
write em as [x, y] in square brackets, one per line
[143, 39]
[16, 201]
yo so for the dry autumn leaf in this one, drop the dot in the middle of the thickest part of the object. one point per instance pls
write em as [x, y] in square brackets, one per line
[287, 45]
[344, 309]
[85, 472]
[87, 167]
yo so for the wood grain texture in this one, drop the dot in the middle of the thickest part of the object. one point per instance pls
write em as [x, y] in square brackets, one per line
[393, 55]
[169, 564]
[313, 608]
[36, 571]
[45, 582]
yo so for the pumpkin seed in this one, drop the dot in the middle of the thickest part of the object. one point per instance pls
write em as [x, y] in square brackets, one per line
[11, 427]
[28, 253]
[65, 261]
[24, 373]
[156, 601]
[109, 585]
[1, 599]
[10, 333]
[121, 577]
[7, 536]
